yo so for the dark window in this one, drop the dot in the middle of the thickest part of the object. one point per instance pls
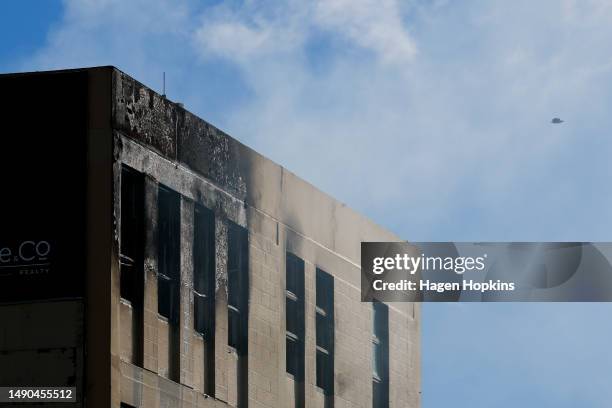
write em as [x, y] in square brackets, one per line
[204, 270]
[131, 255]
[380, 355]
[238, 304]
[325, 331]
[204, 288]
[238, 286]
[169, 238]
[294, 298]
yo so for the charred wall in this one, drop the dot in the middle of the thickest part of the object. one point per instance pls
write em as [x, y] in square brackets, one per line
[179, 135]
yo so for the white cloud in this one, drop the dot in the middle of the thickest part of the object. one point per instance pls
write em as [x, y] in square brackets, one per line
[373, 24]
[247, 32]
[252, 31]
[236, 40]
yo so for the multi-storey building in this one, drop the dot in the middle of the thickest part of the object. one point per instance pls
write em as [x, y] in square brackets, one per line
[150, 260]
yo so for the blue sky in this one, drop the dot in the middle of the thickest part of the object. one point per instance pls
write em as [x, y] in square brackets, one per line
[438, 110]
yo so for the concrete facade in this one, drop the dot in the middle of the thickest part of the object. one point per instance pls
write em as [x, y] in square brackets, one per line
[150, 361]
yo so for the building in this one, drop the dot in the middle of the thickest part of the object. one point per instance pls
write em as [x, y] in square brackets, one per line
[150, 260]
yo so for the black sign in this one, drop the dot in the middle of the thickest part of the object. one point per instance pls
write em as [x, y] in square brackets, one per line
[42, 185]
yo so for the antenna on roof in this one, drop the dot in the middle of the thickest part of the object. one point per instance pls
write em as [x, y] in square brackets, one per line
[164, 85]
